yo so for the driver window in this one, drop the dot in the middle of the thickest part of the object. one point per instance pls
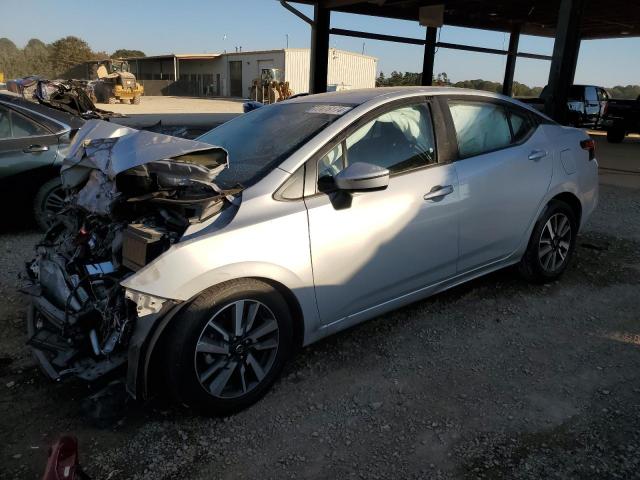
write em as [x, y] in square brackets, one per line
[399, 140]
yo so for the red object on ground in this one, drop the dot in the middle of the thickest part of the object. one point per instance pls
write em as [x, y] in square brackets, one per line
[63, 460]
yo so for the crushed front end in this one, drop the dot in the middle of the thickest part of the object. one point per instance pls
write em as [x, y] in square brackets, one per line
[131, 195]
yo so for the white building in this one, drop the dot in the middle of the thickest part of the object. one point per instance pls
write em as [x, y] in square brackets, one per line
[232, 74]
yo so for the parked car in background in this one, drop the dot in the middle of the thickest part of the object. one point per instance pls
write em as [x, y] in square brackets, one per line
[622, 119]
[204, 264]
[33, 139]
[587, 105]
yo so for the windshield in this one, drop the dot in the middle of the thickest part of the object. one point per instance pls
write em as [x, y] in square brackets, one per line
[259, 141]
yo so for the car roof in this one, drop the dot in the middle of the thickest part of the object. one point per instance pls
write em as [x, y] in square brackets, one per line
[59, 121]
[385, 94]
[364, 95]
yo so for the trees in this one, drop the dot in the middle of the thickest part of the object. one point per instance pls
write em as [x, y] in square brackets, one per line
[9, 58]
[629, 92]
[124, 53]
[67, 52]
[442, 79]
[53, 60]
[36, 58]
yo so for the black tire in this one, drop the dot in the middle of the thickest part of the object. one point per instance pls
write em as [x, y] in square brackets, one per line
[184, 334]
[532, 265]
[113, 101]
[135, 100]
[48, 203]
[616, 135]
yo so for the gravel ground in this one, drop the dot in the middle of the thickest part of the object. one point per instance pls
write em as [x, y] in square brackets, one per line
[493, 379]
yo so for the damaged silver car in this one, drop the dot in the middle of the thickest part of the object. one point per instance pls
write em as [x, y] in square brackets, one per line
[201, 265]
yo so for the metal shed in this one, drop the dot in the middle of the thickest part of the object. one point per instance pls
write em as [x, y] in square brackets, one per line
[232, 74]
[344, 69]
[568, 21]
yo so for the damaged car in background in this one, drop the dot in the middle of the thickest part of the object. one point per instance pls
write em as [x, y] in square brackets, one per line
[202, 265]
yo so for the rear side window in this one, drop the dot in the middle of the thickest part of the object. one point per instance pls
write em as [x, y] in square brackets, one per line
[590, 94]
[14, 125]
[480, 127]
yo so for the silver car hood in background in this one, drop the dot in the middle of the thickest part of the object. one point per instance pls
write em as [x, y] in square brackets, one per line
[101, 150]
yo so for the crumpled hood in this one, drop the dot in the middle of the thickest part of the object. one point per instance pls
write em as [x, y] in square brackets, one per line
[112, 149]
[102, 150]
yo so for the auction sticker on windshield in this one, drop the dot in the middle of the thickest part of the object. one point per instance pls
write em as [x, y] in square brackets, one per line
[329, 109]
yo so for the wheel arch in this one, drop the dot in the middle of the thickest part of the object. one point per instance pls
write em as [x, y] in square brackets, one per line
[147, 370]
[573, 201]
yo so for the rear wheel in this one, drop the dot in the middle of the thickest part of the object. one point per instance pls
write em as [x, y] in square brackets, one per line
[135, 100]
[616, 135]
[551, 245]
[113, 101]
[227, 348]
[48, 202]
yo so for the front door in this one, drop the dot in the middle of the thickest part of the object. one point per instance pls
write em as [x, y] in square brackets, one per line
[235, 79]
[372, 247]
[504, 172]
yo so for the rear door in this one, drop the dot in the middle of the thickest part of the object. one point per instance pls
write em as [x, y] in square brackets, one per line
[25, 144]
[504, 171]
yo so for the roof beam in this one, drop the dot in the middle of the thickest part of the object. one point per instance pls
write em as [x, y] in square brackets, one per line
[420, 41]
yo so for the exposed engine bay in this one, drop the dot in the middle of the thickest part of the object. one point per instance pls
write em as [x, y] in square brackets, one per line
[131, 195]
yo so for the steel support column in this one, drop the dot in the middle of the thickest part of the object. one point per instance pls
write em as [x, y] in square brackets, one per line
[319, 50]
[512, 56]
[429, 56]
[565, 58]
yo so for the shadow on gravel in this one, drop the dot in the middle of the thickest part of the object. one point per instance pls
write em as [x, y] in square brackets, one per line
[604, 442]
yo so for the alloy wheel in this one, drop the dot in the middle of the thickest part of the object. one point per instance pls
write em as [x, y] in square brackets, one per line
[555, 242]
[236, 349]
[53, 204]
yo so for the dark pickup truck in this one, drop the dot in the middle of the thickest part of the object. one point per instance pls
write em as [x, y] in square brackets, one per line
[587, 105]
[621, 119]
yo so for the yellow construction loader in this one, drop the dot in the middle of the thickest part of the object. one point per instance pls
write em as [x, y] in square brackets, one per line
[115, 83]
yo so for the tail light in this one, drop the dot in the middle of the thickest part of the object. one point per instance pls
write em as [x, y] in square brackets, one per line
[590, 146]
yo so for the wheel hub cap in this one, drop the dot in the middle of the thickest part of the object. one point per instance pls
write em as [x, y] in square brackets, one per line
[236, 349]
[555, 242]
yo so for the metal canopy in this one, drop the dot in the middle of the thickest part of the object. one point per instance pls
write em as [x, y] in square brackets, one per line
[610, 19]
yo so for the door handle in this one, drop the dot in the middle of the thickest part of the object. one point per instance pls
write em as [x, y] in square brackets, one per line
[36, 149]
[537, 155]
[439, 192]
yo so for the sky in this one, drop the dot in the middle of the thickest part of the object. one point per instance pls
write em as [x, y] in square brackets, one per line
[198, 26]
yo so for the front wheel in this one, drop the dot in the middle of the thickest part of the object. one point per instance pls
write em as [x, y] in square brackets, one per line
[227, 348]
[551, 245]
[48, 202]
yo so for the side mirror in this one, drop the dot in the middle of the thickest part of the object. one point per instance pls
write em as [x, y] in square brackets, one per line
[362, 177]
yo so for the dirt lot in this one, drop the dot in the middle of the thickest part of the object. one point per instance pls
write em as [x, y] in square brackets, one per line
[202, 112]
[494, 379]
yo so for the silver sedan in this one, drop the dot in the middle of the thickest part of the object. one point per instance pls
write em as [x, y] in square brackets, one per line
[342, 207]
